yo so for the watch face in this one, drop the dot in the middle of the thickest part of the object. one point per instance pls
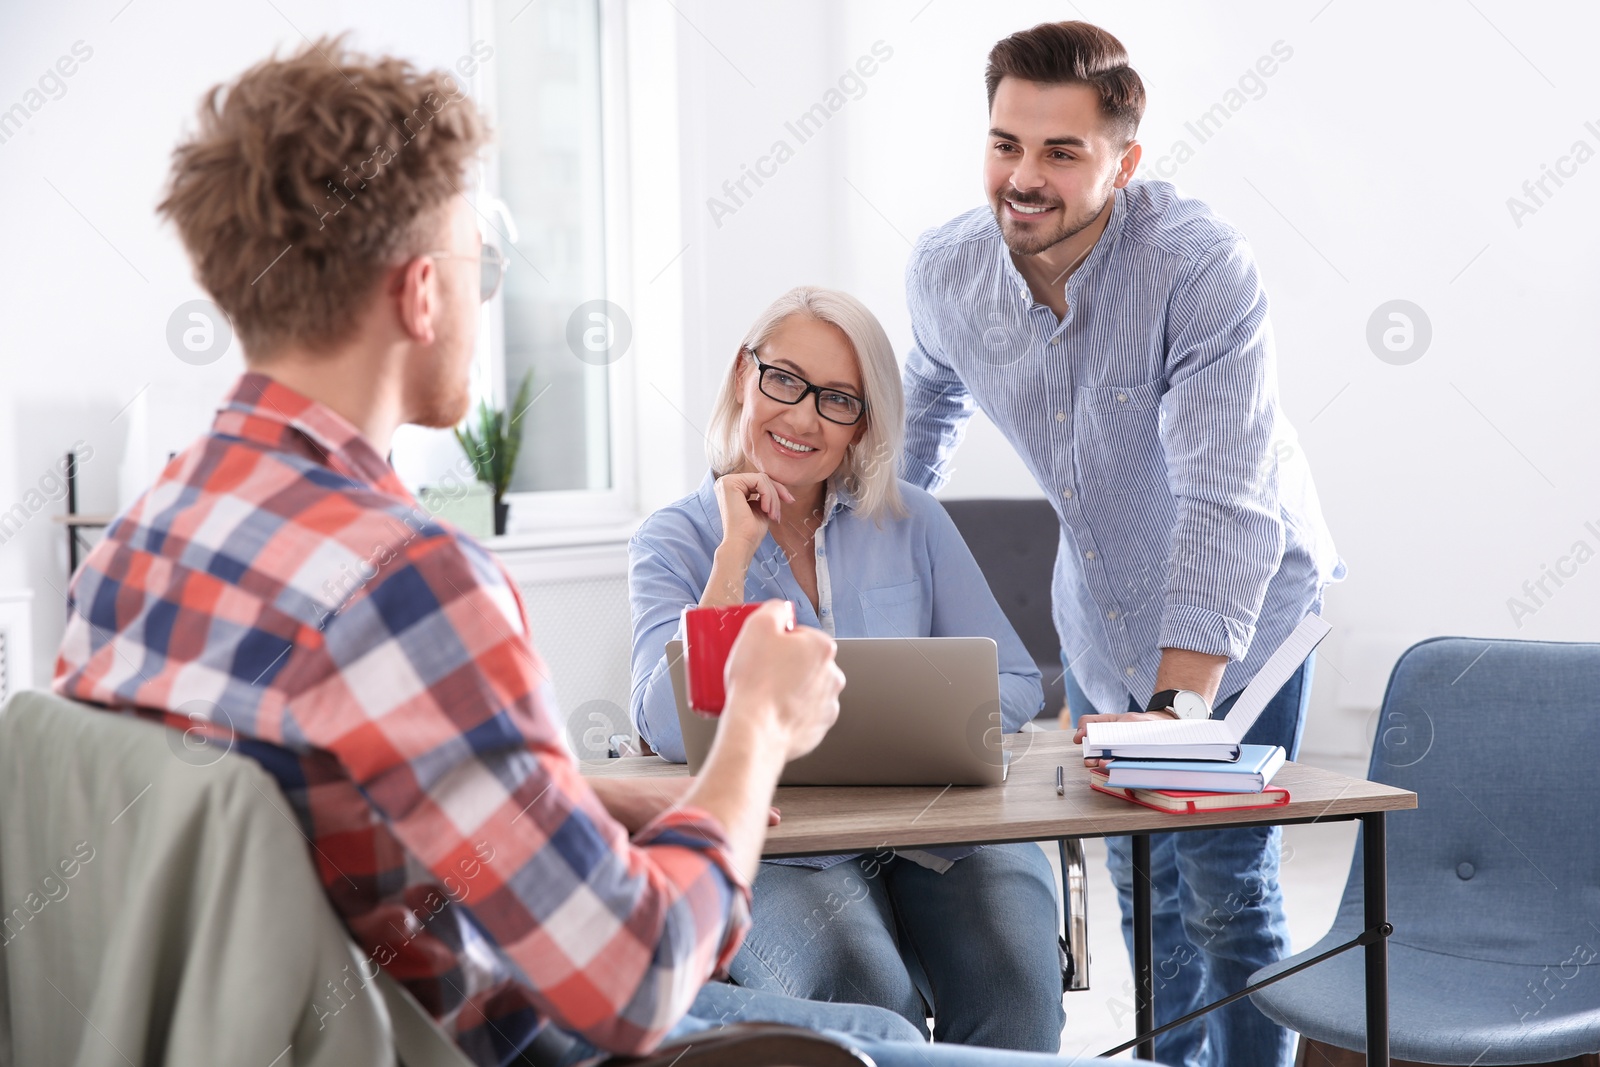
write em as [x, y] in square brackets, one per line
[1190, 705]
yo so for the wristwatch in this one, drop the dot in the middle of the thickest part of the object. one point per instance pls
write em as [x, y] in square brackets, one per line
[1181, 702]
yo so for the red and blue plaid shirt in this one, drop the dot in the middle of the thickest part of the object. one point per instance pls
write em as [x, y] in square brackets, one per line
[278, 590]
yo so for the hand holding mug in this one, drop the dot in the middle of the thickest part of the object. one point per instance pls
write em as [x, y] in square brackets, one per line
[709, 633]
[788, 674]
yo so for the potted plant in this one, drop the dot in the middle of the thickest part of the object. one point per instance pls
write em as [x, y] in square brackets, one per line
[491, 441]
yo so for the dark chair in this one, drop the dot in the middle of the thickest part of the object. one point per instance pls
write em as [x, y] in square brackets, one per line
[1014, 542]
[1494, 880]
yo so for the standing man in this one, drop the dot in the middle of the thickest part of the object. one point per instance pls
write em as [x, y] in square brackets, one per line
[1117, 334]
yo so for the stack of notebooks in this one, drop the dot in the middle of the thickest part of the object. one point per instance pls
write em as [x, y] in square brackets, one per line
[1192, 765]
[1197, 785]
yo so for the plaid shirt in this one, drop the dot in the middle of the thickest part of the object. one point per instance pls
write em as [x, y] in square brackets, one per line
[279, 590]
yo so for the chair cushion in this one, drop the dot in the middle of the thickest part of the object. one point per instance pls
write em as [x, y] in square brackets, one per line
[1447, 1009]
[169, 899]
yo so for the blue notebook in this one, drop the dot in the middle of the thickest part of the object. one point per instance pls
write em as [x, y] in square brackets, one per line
[1250, 774]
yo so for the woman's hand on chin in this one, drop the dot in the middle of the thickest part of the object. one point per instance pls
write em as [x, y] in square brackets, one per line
[749, 502]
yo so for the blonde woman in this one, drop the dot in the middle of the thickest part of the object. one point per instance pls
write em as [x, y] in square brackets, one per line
[802, 503]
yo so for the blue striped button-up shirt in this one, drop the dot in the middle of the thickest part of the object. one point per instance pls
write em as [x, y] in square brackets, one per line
[1149, 416]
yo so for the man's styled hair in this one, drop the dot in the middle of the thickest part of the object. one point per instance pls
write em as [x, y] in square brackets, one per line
[871, 467]
[1073, 53]
[308, 179]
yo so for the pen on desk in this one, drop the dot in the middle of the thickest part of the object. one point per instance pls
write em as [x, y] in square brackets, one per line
[1061, 781]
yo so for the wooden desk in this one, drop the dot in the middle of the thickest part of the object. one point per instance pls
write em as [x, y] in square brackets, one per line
[821, 819]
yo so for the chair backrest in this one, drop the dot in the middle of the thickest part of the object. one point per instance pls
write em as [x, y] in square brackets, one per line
[1014, 542]
[167, 895]
[1500, 741]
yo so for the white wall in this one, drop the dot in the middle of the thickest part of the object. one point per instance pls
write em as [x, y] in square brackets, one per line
[744, 73]
[1376, 165]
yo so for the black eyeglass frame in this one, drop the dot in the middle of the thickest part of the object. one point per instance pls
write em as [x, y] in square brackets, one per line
[813, 391]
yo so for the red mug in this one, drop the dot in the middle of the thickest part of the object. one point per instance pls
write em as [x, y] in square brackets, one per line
[708, 637]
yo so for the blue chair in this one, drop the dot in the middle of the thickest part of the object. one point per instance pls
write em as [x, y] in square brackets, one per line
[1494, 881]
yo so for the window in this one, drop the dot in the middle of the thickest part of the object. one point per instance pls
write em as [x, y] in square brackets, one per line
[545, 91]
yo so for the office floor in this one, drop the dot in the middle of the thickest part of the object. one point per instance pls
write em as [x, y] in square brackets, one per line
[1317, 859]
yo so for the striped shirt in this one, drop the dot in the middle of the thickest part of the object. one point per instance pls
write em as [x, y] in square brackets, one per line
[280, 590]
[1148, 415]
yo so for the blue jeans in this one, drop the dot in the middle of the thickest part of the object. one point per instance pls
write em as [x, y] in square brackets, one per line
[1217, 911]
[879, 929]
[883, 1035]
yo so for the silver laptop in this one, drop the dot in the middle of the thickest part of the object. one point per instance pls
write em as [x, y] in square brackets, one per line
[914, 711]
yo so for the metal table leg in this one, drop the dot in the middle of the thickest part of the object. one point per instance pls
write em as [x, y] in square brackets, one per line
[1375, 901]
[1075, 912]
[1143, 956]
[72, 507]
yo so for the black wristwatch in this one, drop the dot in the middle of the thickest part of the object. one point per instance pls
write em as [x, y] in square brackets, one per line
[1181, 702]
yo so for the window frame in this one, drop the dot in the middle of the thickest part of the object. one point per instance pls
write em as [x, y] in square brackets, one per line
[576, 516]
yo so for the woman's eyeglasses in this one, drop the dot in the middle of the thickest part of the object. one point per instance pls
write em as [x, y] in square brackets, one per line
[787, 387]
[492, 264]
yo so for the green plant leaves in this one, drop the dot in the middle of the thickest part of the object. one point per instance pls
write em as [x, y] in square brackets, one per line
[492, 439]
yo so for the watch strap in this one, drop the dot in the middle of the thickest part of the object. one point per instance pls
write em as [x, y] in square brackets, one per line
[1162, 701]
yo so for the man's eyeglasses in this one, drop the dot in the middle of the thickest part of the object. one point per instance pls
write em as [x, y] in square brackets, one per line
[492, 264]
[787, 387]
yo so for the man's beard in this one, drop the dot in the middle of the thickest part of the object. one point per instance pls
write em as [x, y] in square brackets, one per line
[444, 407]
[445, 397]
[1033, 243]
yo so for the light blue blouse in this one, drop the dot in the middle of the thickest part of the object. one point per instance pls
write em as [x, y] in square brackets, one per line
[909, 577]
